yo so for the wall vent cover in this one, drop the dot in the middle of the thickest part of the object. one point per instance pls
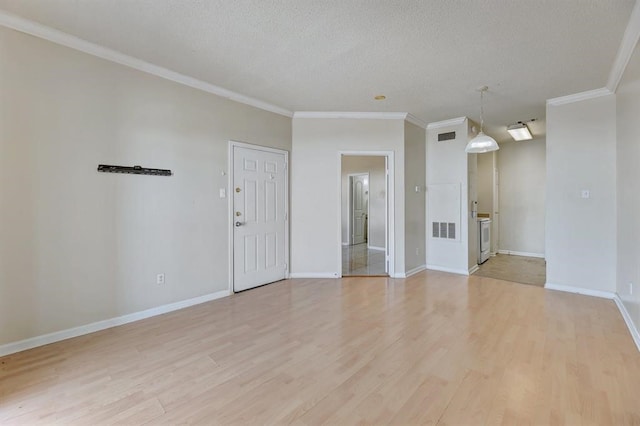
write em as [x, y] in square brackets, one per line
[446, 136]
[443, 230]
[452, 231]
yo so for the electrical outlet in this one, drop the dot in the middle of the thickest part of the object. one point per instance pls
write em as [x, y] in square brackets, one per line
[417, 251]
[160, 279]
[630, 288]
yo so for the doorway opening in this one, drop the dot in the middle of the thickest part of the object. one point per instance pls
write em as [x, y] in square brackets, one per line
[365, 183]
[510, 213]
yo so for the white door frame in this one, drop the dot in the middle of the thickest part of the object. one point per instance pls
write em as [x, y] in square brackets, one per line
[350, 206]
[231, 217]
[389, 219]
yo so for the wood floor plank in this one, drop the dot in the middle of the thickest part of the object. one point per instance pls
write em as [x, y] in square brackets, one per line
[435, 348]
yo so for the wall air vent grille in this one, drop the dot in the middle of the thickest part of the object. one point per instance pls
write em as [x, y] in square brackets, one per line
[449, 136]
[443, 230]
[452, 231]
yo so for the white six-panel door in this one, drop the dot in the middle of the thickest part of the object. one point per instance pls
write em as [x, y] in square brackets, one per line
[259, 217]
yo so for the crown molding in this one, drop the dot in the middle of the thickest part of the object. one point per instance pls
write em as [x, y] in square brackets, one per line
[415, 120]
[55, 36]
[354, 115]
[362, 115]
[446, 123]
[577, 97]
[627, 46]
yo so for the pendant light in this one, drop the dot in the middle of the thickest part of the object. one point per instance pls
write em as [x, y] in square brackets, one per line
[482, 143]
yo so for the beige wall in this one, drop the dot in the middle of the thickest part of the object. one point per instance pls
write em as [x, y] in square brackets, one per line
[77, 246]
[522, 168]
[315, 187]
[628, 197]
[485, 182]
[580, 234]
[415, 146]
[377, 196]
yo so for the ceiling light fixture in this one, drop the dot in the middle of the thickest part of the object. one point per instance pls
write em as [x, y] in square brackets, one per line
[380, 97]
[482, 143]
[520, 131]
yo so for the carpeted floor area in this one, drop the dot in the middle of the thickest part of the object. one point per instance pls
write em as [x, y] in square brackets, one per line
[519, 269]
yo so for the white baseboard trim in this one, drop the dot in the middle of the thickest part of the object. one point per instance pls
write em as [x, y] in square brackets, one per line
[473, 269]
[580, 290]
[33, 342]
[521, 253]
[410, 272]
[313, 275]
[635, 335]
[376, 248]
[446, 269]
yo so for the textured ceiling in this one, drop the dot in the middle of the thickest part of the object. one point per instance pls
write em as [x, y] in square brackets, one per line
[427, 56]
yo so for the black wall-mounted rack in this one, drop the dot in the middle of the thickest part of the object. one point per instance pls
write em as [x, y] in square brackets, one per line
[135, 170]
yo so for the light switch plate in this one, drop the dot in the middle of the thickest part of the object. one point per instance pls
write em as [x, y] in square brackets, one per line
[585, 193]
[223, 193]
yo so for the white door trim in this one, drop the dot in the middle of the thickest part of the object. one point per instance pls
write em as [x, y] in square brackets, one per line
[389, 211]
[231, 217]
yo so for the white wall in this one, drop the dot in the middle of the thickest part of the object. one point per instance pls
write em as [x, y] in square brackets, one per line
[415, 146]
[522, 167]
[580, 242]
[78, 246]
[447, 163]
[315, 187]
[377, 196]
[628, 179]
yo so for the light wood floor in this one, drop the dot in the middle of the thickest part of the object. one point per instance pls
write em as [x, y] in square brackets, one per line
[518, 269]
[432, 349]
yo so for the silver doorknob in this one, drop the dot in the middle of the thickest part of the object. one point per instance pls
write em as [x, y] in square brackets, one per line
[238, 223]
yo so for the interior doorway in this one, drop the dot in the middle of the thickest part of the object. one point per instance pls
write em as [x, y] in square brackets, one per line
[365, 183]
[511, 203]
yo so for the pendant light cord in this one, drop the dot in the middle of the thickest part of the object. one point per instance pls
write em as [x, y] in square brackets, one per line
[482, 110]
